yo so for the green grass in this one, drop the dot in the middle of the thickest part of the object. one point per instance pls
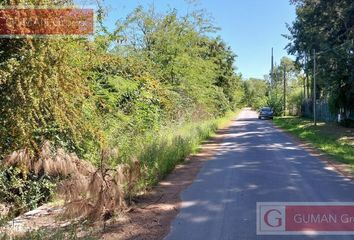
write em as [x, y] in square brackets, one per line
[48, 234]
[171, 147]
[326, 136]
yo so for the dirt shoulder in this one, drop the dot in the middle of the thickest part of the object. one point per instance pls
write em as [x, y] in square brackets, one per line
[152, 217]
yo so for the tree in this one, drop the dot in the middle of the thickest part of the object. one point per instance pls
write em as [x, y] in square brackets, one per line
[327, 27]
[291, 89]
[117, 90]
[179, 55]
[44, 89]
[256, 91]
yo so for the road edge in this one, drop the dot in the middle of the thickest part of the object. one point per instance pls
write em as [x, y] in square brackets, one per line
[341, 168]
[154, 213]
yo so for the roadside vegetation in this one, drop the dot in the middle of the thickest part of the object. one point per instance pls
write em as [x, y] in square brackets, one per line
[57, 234]
[266, 92]
[97, 121]
[336, 141]
[323, 30]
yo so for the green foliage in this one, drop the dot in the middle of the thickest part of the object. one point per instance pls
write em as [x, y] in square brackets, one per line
[293, 87]
[256, 91]
[326, 26]
[24, 191]
[294, 100]
[260, 93]
[37, 100]
[291, 72]
[123, 90]
[275, 101]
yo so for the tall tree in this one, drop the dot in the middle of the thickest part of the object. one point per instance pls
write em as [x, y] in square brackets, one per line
[327, 27]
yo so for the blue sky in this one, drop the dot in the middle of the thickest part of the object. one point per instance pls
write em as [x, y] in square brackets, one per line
[250, 27]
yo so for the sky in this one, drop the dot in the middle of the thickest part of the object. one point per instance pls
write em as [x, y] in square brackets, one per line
[250, 27]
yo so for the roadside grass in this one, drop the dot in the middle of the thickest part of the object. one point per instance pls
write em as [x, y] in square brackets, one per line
[159, 156]
[333, 140]
[171, 147]
[73, 232]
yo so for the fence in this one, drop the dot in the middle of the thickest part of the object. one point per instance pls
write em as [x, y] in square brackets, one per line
[323, 112]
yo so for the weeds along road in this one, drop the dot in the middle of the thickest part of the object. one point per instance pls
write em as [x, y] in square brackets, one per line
[255, 163]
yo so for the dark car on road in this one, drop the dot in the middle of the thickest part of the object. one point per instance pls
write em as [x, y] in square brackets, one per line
[265, 113]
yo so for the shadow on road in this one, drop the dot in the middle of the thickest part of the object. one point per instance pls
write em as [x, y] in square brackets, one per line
[254, 163]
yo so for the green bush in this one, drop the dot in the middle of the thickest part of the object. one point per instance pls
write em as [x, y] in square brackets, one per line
[349, 123]
[24, 191]
[276, 103]
[86, 95]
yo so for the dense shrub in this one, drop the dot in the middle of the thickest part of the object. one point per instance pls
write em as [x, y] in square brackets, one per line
[276, 103]
[23, 190]
[117, 90]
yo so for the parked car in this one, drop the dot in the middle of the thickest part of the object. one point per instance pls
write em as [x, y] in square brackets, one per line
[265, 113]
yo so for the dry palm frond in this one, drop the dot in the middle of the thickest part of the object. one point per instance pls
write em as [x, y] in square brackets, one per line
[79, 208]
[107, 190]
[134, 174]
[56, 164]
[74, 188]
[88, 191]
[119, 179]
[83, 167]
[95, 185]
[18, 158]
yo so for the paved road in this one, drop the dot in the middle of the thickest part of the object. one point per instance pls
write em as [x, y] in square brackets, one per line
[255, 163]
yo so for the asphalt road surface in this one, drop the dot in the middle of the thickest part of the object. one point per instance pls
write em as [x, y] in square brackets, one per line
[255, 163]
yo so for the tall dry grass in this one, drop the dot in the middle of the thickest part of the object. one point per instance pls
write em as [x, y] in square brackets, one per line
[88, 191]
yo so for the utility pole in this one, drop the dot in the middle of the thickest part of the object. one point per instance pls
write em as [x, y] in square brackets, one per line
[308, 84]
[272, 73]
[314, 87]
[306, 77]
[284, 92]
